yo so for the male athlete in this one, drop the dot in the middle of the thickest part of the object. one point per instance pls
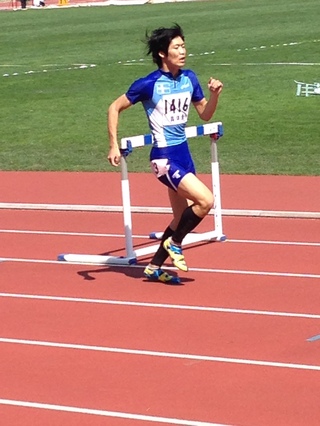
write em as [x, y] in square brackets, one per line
[166, 95]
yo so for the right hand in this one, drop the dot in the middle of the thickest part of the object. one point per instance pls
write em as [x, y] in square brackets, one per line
[114, 156]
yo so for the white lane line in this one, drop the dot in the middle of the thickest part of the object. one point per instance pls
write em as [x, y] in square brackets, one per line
[73, 234]
[157, 210]
[207, 270]
[144, 237]
[265, 273]
[174, 355]
[106, 413]
[159, 305]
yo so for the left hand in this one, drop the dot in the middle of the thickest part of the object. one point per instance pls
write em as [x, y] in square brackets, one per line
[215, 86]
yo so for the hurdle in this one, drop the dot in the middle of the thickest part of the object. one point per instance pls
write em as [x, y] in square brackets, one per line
[215, 131]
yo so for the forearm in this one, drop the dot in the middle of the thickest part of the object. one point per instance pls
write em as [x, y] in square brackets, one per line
[114, 111]
[113, 120]
[209, 108]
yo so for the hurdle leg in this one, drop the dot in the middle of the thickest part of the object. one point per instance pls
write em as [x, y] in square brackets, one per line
[130, 257]
[125, 190]
[217, 233]
[215, 176]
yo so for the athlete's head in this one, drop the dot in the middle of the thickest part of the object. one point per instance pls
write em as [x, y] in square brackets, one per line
[159, 40]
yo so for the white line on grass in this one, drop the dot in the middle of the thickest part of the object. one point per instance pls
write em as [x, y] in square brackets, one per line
[160, 354]
[268, 63]
[68, 68]
[244, 49]
[207, 270]
[159, 305]
[141, 61]
[107, 413]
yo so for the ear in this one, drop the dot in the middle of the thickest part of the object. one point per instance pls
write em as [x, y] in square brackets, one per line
[162, 55]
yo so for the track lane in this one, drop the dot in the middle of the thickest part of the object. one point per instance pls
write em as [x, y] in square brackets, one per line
[258, 337]
[240, 395]
[284, 259]
[198, 288]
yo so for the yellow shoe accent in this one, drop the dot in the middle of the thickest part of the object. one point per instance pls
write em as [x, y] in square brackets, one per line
[160, 275]
[175, 252]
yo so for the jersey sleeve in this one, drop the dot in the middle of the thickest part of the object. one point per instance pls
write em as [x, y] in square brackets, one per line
[197, 94]
[140, 90]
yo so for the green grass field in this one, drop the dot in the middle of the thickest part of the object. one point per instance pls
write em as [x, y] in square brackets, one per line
[56, 120]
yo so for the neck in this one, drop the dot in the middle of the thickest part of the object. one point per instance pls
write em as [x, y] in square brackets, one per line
[173, 70]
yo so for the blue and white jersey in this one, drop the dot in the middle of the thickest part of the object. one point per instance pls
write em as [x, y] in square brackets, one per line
[166, 101]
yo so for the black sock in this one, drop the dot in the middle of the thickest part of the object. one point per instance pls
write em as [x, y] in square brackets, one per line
[161, 254]
[189, 220]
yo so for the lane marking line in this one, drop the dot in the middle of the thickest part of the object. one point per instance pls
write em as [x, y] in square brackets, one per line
[158, 210]
[159, 305]
[208, 270]
[104, 235]
[174, 355]
[106, 413]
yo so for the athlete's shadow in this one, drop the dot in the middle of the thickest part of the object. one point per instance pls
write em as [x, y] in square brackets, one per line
[132, 271]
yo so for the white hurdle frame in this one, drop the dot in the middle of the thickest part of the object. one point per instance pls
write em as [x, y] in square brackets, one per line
[215, 130]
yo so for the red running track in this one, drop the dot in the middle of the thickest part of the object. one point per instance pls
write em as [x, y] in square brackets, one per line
[235, 344]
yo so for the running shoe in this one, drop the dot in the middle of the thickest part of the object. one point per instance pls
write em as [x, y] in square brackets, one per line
[160, 275]
[175, 252]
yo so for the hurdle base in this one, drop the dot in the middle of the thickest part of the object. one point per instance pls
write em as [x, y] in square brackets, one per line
[91, 259]
[194, 237]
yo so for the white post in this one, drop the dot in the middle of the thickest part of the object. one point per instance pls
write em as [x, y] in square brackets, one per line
[215, 175]
[125, 189]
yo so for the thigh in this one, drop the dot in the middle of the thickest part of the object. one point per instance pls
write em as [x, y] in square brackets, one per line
[170, 172]
[192, 188]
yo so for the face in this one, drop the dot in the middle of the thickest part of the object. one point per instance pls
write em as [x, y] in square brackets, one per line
[176, 57]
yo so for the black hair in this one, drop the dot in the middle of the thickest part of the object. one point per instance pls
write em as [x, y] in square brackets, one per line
[159, 40]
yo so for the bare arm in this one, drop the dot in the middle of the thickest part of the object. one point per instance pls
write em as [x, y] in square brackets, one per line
[206, 108]
[119, 105]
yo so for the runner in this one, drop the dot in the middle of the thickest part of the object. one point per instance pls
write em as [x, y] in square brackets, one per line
[166, 95]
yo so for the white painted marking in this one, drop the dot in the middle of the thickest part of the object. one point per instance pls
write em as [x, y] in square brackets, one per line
[74, 67]
[208, 270]
[309, 64]
[142, 352]
[159, 305]
[271, 274]
[104, 235]
[107, 413]
[246, 49]
[160, 210]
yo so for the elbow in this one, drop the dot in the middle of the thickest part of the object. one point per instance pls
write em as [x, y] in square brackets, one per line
[206, 117]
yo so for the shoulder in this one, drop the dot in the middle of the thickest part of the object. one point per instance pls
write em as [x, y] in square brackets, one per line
[197, 92]
[147, 80]
[142, 88]
[191, 75]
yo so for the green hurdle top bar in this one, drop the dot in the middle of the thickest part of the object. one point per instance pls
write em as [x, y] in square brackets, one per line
[216, 129]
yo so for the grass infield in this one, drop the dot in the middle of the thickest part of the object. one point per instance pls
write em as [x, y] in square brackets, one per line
[61, 68]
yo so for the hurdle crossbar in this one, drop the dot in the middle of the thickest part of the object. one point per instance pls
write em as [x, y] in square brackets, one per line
[215, 130]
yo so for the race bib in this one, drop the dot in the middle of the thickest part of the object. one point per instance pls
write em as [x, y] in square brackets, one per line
[176, 108]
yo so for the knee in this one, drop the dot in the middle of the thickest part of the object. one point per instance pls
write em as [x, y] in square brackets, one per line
[209, 203]
[206, 204]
